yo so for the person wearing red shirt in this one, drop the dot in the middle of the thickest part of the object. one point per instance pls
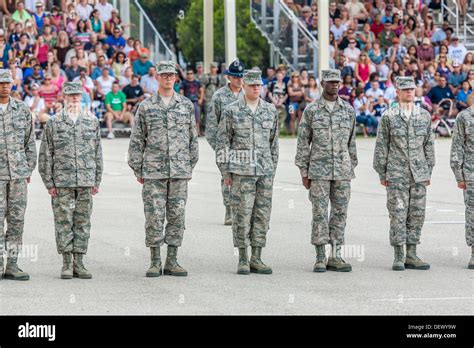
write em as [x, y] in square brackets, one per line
[377, 26]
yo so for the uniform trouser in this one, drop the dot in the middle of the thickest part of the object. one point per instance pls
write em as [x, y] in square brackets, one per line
[251, 209]
[469, 202]
[327, 228]
[406, 203]
[13, 195]
[225, 193]
[164, 197]
[72, 209]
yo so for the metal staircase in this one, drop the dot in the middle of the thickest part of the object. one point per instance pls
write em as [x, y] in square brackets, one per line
[144, 29]
[290, 41]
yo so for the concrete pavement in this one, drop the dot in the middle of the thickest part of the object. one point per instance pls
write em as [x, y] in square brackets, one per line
[118, 258]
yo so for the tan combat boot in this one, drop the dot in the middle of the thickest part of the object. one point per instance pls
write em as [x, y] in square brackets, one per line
[228, 216]
[171, 265]
[412, 260]
[12, 271]
[256, 264]
[320, 264]
[79, 270]
[67, 270]
[399, 260]
[243, 267]
[471, 262]
[335, 262]
[155, 269]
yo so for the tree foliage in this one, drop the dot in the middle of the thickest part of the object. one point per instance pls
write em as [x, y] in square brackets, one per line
[252, 48]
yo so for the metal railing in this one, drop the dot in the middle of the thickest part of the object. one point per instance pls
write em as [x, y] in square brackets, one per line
[445, 8]
[143, 28]
[467, 26]
[286, 34]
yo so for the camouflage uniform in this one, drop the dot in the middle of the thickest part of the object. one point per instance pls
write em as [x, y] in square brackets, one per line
[404, 157]
[247, 153]
[164, 150]
[17, 162]
[70, 161]
[326, 154]
[221, 99]
[462, 164]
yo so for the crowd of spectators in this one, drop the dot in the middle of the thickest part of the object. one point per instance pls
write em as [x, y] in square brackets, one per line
[372, 42]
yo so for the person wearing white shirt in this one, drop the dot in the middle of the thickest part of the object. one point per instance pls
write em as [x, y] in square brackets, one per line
[338, 28]
[456, 51]
[84, 10]
[390, 94]
[89, 83]
[375, 92]
[105, 10]
[104, 83]
[37, 105]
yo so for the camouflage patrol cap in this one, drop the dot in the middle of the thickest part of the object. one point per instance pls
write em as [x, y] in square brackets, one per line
[405, 82]
[166, 67]
[253, 77]
[331, 75]
[214, 65]
[5, 76]
[72, 88]
[198, 64]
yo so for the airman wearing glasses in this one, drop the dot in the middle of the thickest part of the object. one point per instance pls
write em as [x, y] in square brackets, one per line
[162, 153]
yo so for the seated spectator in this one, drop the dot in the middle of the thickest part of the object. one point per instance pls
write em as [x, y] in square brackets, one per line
[37, 106]
[456, 77]
[35, 77]
[148, 82]
[41, 52]
[362, 69]
[120, 64]
[74, 70]
[352, 53]
[97, 24]
[134, 93]
[425, 53]
[338, 29]
[58, 77]
[377, 107]
[396, 51]
[312, 91]
[334, 11]
[116, 105]
[366, 38]
[142, 65]
[21, 15]
[39, 16]
[357, 11]
[23, 48]
[114, 42]
[82, 60]
[346, 88]
[126, 78]
[468, 63]
[421, 100]
[444, 68]
[462, 94]
[49, 38]
[306, 17]
[137, 51]
[440, 92]
[6, 52]
[83, 32]
[377, 26]
[83, 10]
[14, 36]
[101, 65]
[374, 92]
[408, 39]
[87, 81]
[456, 51]
[470, 78]
[104, 83]
[73, 52]
[386, 37]
[49, 91]
[62, 47]
[105, 10]
[129, 46]
[363, 113]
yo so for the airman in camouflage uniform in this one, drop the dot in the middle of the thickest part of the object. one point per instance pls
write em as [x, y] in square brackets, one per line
[462, 164]
[211, 83]
[71, 165]
[17, 162]
[162, 153]
[247, 156]
[326, 156]
[404, 159]
[221, 99]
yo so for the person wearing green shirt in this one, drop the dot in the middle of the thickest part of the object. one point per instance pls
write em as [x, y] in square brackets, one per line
[20, 15]
[116, 105]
